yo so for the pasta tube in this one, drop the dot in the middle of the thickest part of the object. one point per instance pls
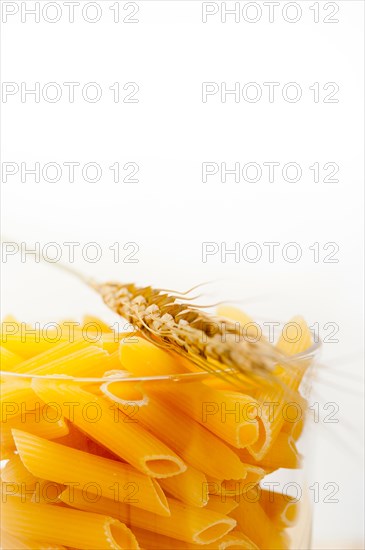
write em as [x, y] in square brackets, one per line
[187, 487]
[12, 542]
[17, 396]
[254, 522]
[37, 424]
[281, 509]
[142, 358]
[283, 454]
[112, 479]
[234, 539]
[112, 429]
[191, 441]
[186, 523]
[8, 359]
[64, 526]
[230, 415]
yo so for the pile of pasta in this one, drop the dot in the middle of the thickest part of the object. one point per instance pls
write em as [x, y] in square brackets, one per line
[125, 464]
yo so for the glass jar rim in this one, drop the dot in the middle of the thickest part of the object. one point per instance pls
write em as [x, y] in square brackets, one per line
[309, 355]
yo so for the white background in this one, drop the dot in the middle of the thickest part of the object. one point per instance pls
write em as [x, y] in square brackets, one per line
[170, 212]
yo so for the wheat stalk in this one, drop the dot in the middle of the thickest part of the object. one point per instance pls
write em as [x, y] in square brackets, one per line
[214, 344]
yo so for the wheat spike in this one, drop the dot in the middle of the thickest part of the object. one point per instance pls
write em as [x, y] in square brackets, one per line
[213, 343]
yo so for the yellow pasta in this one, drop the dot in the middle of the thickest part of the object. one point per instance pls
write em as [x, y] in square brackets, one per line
[190, 440]
[17, 490]
[103, 477]
[44, 422]
[125, 393]
[232, 416]
[27, 345]
[17, 397]
[295, 429]
[8, 359]
[248, 328]
[90, 321]
[295, 338]
[6, 452]
[257, 526]
[12, 542]
[234, 540]
[142, 358]
[111, 342]
[222, 504]
[281, 509]
[229, 487]
[187, 487]
[114, 361]
[59, 351]
[126, 439]
[47, 491]
[283, 454]
[86, 362]
[157, 465]
[78, 440]
[15, 472]
[65, 526]
[186, 523]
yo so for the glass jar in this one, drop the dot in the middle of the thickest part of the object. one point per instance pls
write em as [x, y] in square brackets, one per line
[173, 460]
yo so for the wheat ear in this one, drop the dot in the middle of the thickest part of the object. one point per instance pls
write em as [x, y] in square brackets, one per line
[214, 344]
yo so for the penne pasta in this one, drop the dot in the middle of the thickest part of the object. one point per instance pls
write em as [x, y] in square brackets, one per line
[186, 523]
[232, 416]
[29, 345]
[112, 429]
[283, 454]
[190, 440]
[169, 463]
[281, 509]
[103, 477]
[233, 487]
[142, 358]
[8, 359]
[111, 342]
[40, 423]
[295, 429]
[22, 491]
[6, 452]
[15, 472]
[285, 393]
[296, 337]
[78, 440]
[125, 393]
[17, 397]
[248, 328]
[151, 541]
[65, 526]
[187, 487]
[12, 542]
[47, 491]
[257, 526]
[90, 321]
[222, 504]
[85, 362]
[59, 351]
[234, 540]
[114, 361]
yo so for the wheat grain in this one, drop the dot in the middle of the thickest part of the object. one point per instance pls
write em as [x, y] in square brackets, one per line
[213, 343]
